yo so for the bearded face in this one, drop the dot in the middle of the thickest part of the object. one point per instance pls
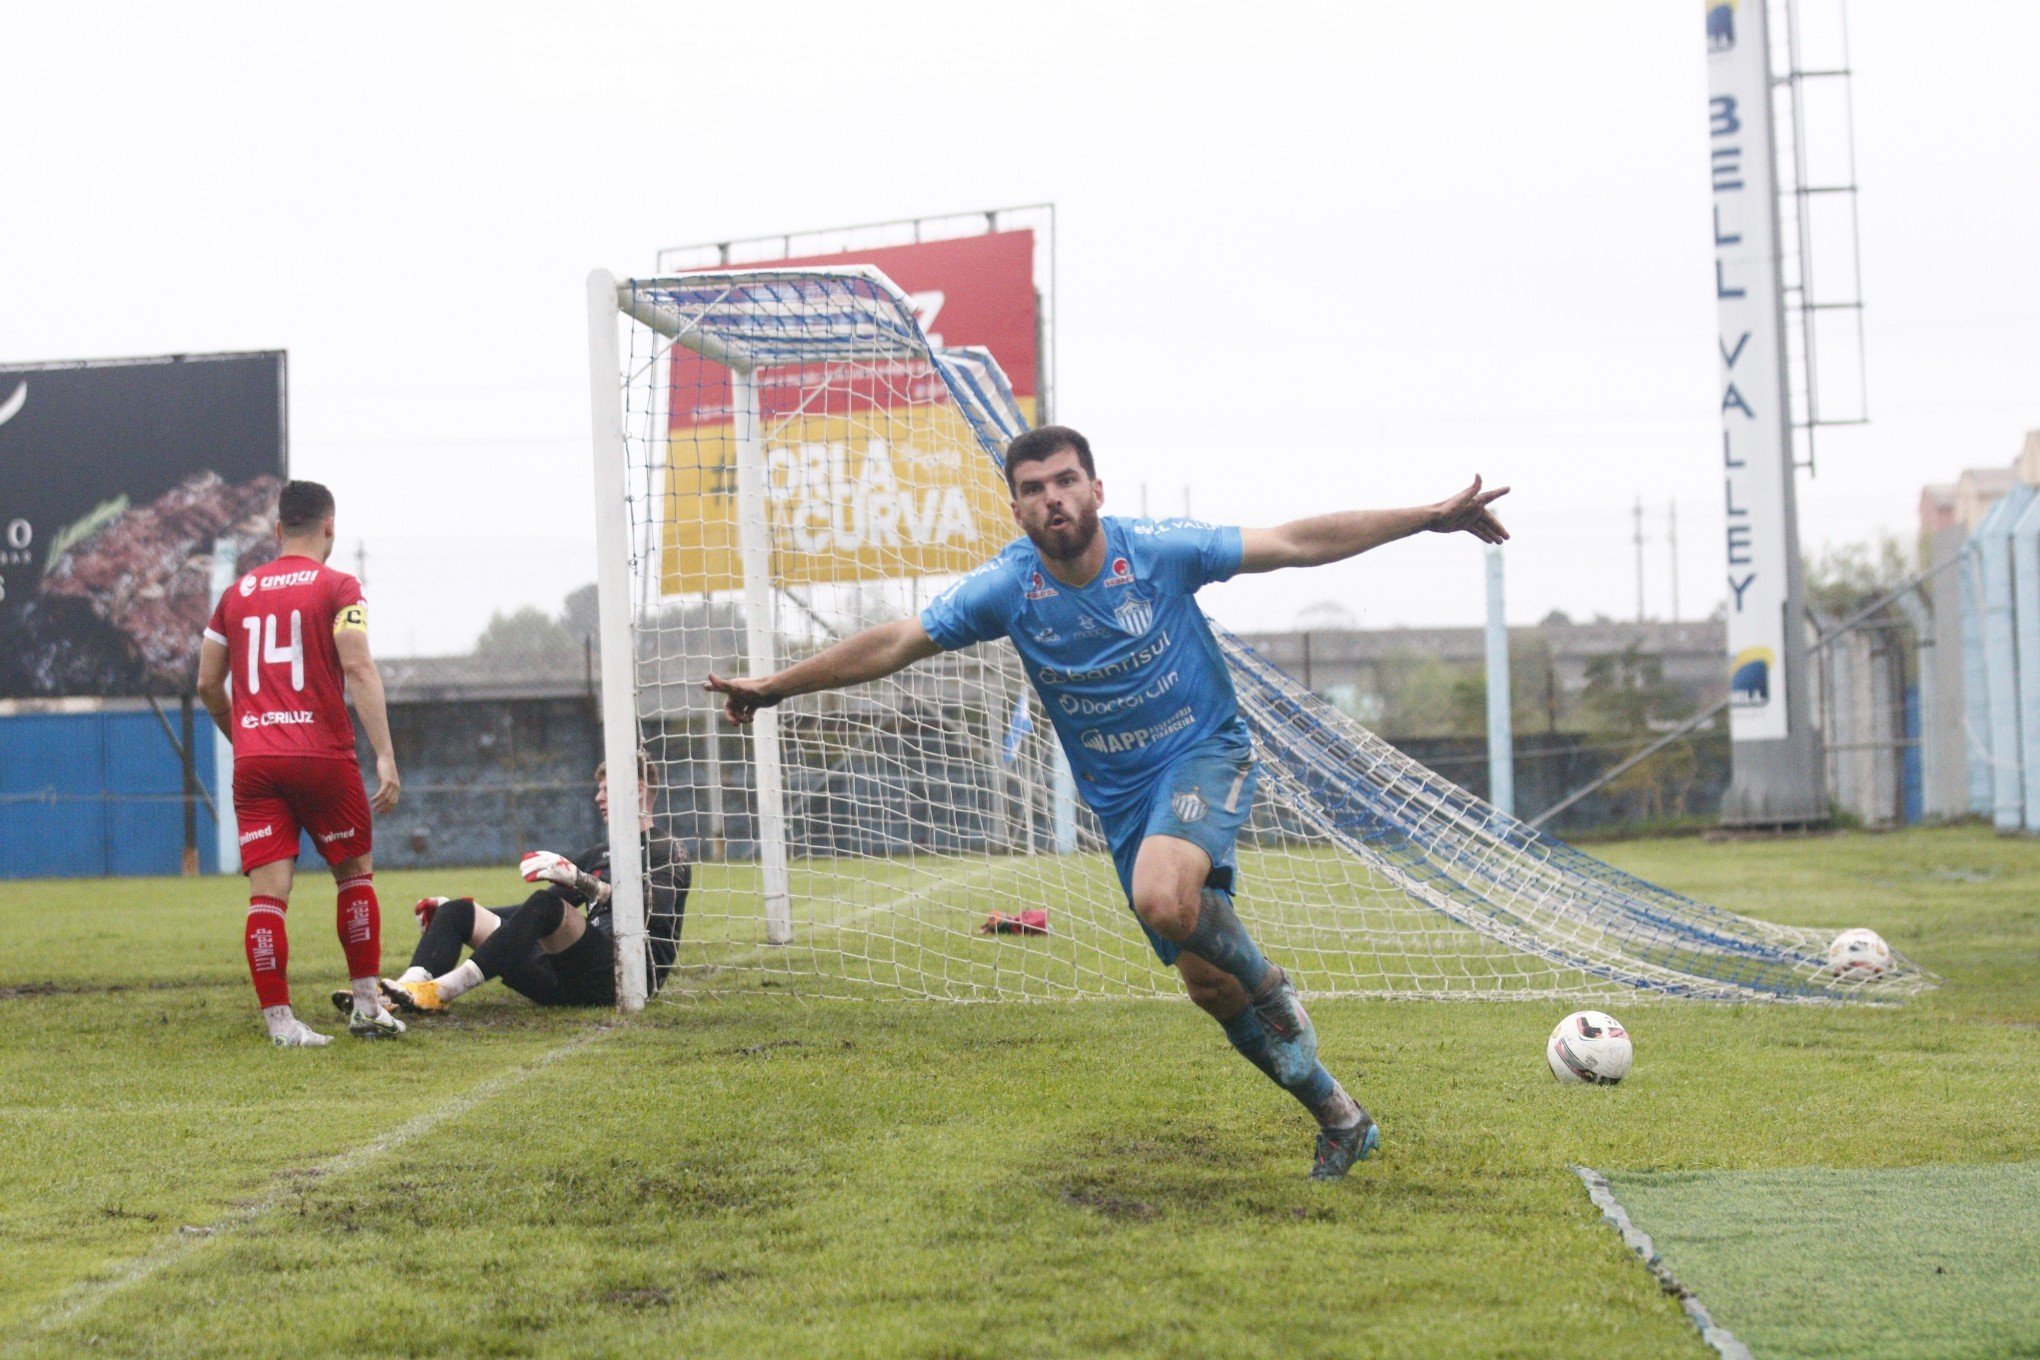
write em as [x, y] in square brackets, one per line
[1056, 504]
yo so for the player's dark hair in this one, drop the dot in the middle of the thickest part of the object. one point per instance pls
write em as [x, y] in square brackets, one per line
[300, 506]
[1039, 445]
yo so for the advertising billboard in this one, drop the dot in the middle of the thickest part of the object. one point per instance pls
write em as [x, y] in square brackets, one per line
[1755, 426]
[117, 480]
[850, 498]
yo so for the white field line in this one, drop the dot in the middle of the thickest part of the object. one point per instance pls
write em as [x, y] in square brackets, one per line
[1637, 1240]
[83, 1297]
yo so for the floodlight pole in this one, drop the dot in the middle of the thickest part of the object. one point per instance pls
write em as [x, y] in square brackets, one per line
[227, 842]
[1500, 736]
[754, 546]
[619, 651]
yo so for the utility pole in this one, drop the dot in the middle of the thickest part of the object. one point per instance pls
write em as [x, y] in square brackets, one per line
[1639, 558]
[361, 562]
[1672, 536]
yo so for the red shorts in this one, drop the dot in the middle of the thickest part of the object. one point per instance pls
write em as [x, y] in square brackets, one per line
[277, 796]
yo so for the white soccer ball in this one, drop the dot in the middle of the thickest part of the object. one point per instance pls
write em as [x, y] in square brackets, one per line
[1859, 953]
[1590, 1047]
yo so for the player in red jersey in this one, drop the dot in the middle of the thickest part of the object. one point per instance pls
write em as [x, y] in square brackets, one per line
[288, 636]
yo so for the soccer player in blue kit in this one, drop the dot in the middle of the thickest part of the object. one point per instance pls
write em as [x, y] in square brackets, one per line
[1103, 614]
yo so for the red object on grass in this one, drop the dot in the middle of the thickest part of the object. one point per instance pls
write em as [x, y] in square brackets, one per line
[1022, 923]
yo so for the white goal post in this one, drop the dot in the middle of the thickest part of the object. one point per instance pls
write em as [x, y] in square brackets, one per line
[782, 457]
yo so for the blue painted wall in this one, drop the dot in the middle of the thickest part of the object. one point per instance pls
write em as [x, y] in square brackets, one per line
[87, 795]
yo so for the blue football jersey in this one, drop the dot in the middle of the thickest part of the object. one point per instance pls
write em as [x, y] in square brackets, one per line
[1126, 666]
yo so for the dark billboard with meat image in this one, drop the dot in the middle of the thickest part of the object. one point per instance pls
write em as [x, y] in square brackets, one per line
[119, 484]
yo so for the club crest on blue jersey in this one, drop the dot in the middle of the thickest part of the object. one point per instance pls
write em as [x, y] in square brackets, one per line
[1134, 616]
[1122, 573]
[1188, 806]
[1038, 589]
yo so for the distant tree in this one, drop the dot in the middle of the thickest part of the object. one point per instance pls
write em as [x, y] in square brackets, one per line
[528, 632]
[581, 614]
[1842, 579]
[1324, 617]
[1625, 693]
[1626, 696]
[1426, 696]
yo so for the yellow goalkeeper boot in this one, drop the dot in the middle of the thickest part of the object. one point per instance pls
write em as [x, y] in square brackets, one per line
[413, 998]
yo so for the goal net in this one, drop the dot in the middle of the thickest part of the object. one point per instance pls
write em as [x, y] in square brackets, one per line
[783, 458]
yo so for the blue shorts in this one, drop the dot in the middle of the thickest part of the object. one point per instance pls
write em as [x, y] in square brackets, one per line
[1203, 798]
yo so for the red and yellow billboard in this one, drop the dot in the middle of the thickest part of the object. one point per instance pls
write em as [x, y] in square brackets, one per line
[870, 472]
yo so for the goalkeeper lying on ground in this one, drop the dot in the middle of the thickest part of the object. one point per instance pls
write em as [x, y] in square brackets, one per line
[546, 949]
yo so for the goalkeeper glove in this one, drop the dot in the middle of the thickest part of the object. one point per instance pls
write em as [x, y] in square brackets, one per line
[544, 864]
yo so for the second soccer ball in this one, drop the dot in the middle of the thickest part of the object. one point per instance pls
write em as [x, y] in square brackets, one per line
[1859, 953]
[1590, 1047]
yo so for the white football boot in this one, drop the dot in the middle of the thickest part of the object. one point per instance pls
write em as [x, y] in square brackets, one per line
[376, 1024]
[295, 1033]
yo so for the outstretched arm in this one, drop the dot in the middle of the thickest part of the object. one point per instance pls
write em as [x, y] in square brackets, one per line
[1348, 533]
[875, 652]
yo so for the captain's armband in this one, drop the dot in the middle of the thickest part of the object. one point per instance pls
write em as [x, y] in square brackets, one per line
[353, 617]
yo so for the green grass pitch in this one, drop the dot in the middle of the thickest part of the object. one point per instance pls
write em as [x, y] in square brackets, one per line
[764, 1176]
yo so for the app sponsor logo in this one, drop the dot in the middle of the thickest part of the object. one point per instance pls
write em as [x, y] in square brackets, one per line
[292, 718]
[1090, 627]
[1039, 589]
[257, 834]
[1188, 806]
[248, 585]
[1112, 743]
[1079, 707]
[1126, 665]
[1122, 573]
[289, 578]
[332, 836]
[1135, 615]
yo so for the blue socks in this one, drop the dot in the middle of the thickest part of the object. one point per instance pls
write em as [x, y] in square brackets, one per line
[1252, 1039]
[1221, 941]
[1317, 1092]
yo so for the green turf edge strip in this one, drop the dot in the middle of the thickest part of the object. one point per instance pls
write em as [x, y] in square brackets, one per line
[1639, 1242]
[82, 1298]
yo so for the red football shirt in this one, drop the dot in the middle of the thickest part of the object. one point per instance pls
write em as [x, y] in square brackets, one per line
[277, 625]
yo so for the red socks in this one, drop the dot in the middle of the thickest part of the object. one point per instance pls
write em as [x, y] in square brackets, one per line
[268, 951]
[359, 920]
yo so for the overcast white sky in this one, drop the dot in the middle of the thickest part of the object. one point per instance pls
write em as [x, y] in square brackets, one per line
[1310, 256]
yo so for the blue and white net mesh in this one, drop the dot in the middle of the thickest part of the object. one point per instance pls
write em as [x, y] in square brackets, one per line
[919, 807]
